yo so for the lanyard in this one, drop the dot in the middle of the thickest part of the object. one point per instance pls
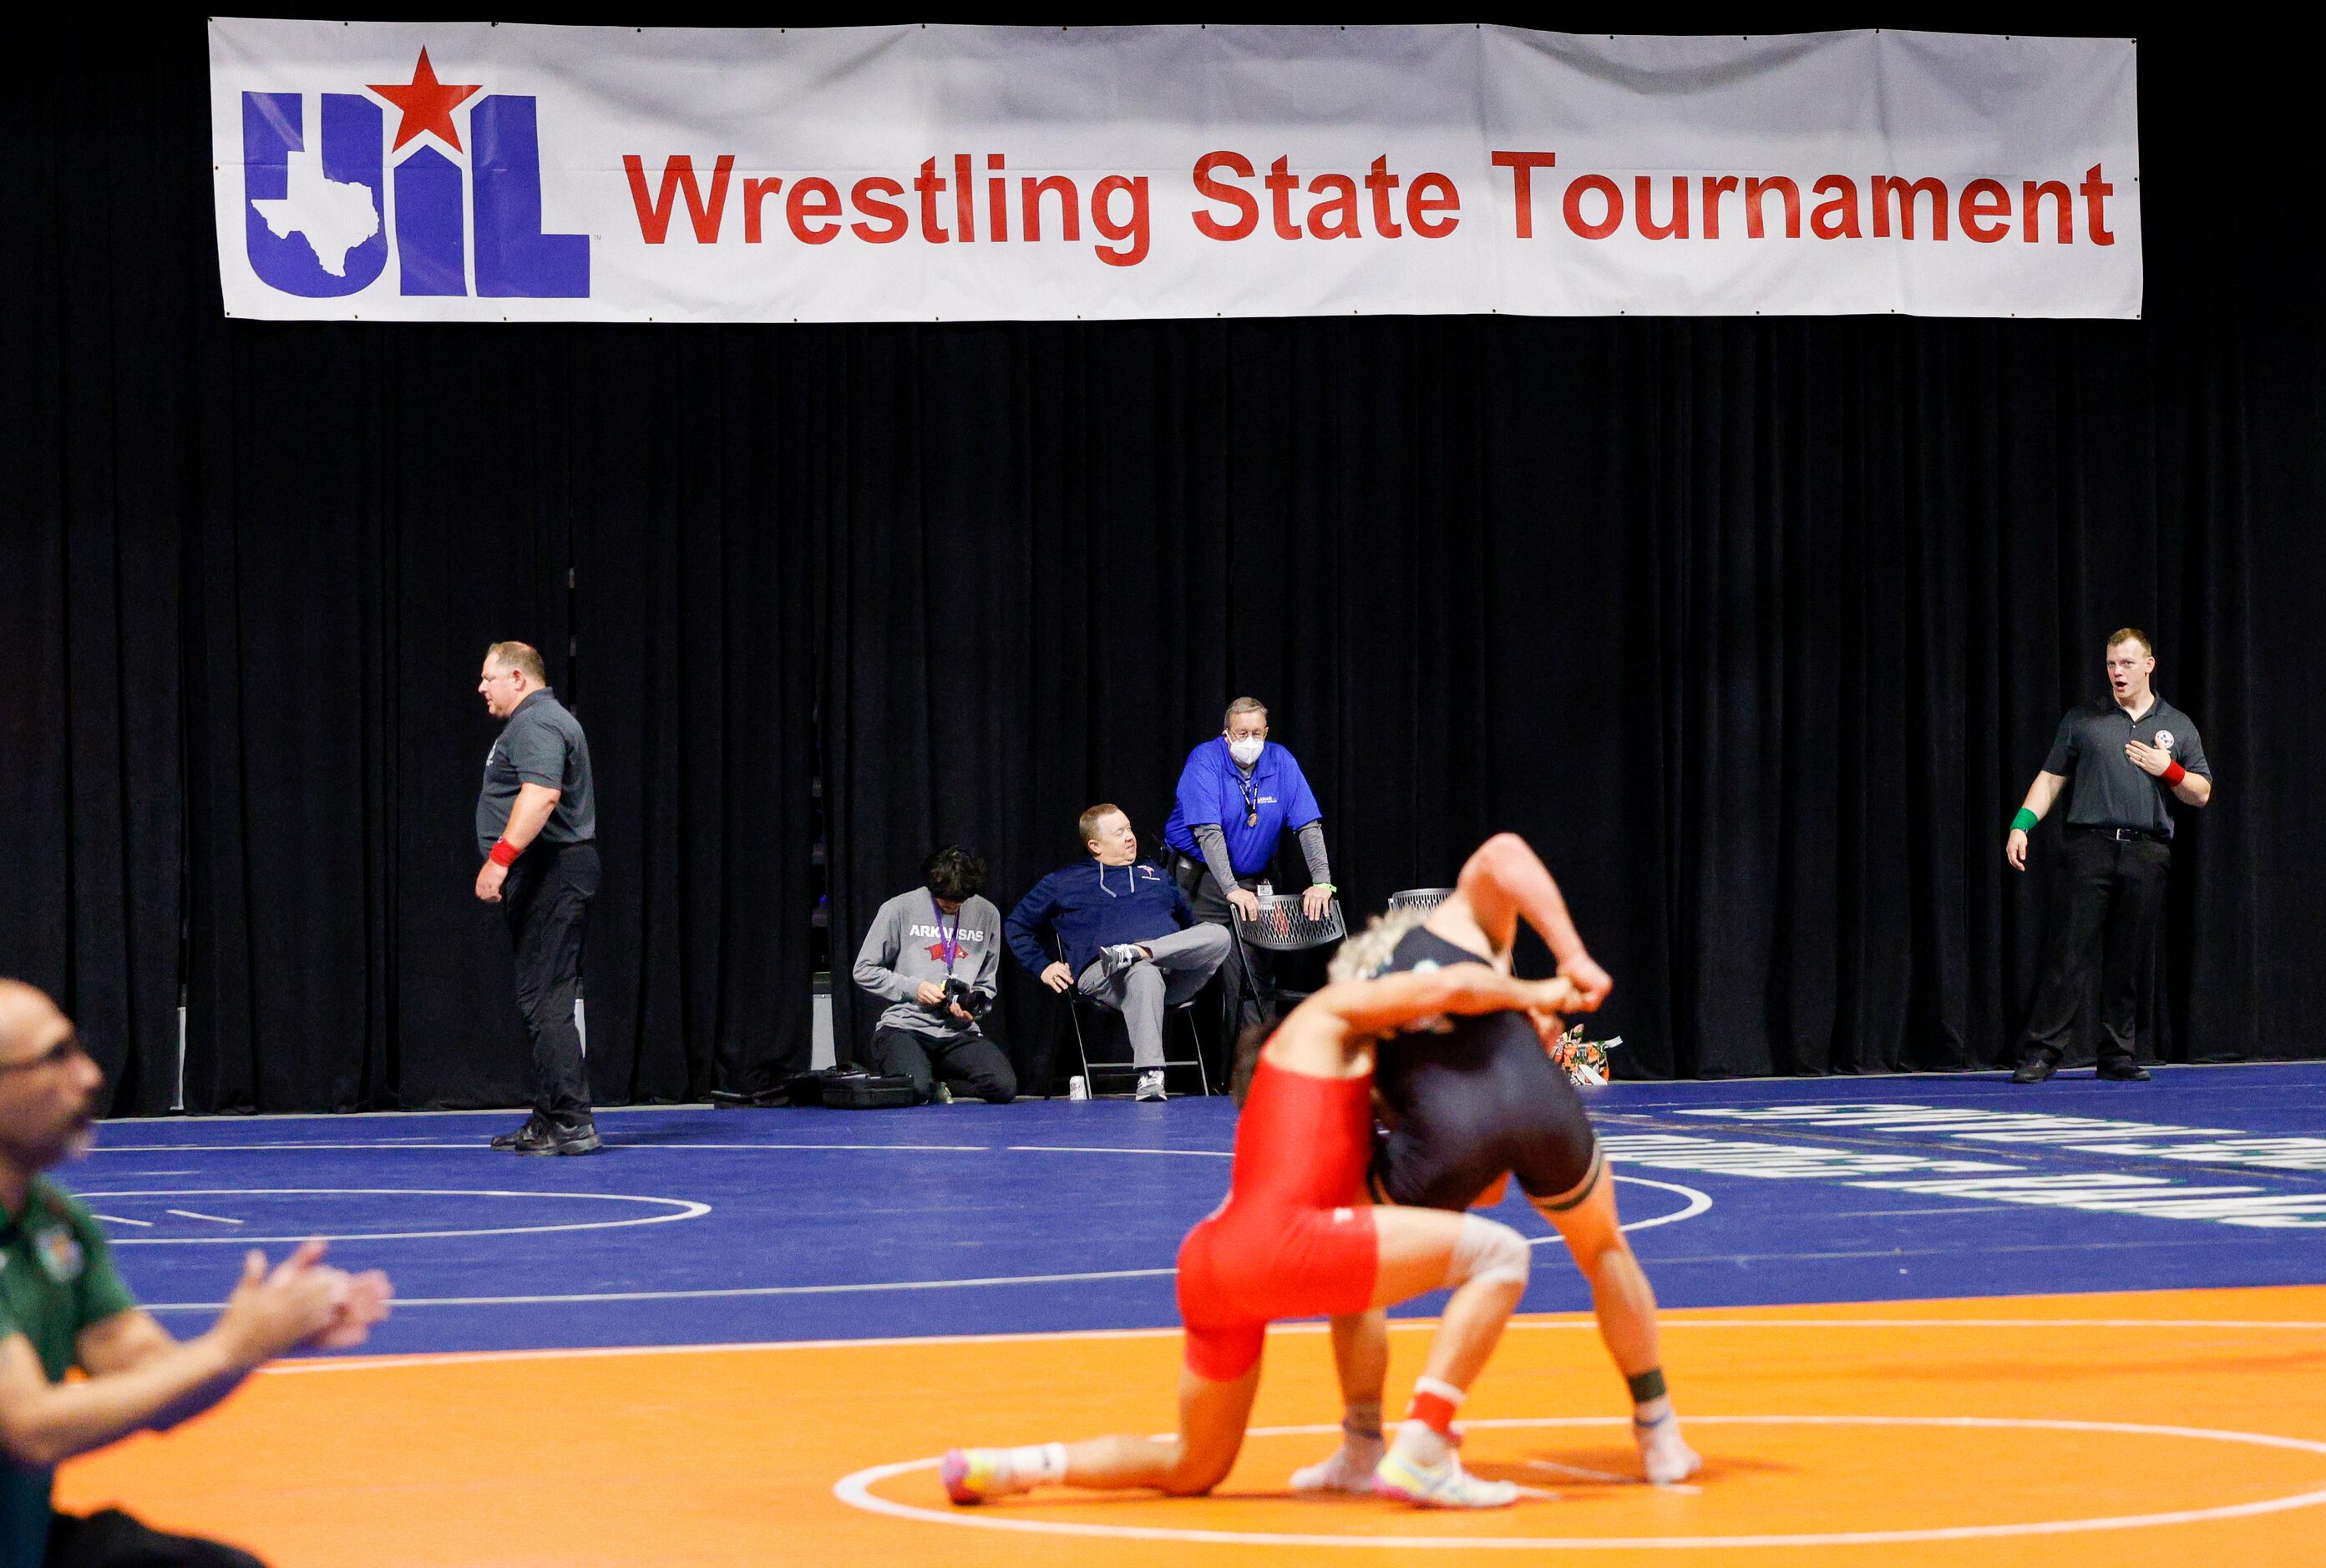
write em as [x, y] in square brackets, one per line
[951, 941]
[1249, 785]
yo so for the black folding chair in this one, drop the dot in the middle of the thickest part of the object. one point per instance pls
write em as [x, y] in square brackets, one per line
[1076, 1002]
[1284, 925]
[1418, 898]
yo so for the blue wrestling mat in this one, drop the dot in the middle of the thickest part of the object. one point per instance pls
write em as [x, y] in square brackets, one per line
[718, 1227]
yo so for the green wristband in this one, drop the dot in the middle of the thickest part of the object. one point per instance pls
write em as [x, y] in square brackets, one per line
[2025, 822]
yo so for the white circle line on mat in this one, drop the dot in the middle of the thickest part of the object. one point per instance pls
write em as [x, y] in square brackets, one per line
[876, 1287]
[480, 1145]
[731, 1292]
[1698, 1202]
[855, 1492]
[677, 1208]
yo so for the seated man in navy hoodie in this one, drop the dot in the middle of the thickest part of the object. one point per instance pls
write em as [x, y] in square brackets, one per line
[1130, 939]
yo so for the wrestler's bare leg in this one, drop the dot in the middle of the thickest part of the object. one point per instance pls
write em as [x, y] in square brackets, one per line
[1415, 1248]
[1211, 1417]
[1486, 1262]
[1416, 1251]
[1625, 1306]
[1361, 1361]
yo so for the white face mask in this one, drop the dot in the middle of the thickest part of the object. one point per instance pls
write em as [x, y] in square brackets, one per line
[1246, 751]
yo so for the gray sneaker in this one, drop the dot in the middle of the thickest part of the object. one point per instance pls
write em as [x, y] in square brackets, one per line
[1119, 957]
[1150, 1085]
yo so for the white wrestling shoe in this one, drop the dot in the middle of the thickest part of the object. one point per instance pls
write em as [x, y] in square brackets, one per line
[975, 1475]
[1444, 1485]
[972, 1475]
[1150, 1085]
[1344, 1472]
[1664, 1454]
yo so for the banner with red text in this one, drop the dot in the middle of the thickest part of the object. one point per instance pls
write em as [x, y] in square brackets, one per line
[469, 171]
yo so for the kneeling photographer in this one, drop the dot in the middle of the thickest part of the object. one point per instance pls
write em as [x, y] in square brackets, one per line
[932, 954]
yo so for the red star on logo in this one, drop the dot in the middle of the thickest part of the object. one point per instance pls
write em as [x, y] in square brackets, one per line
[427, 103]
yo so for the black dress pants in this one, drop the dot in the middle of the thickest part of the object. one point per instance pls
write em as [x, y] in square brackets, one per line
[970, 1064]
[1249, 976]
[2105, 906]
[112, 1539]
[546, 899]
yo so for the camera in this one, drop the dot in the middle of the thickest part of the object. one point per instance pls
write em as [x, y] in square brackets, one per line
[962, 995]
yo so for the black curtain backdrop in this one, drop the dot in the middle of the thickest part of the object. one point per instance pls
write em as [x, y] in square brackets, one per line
[1756, 627]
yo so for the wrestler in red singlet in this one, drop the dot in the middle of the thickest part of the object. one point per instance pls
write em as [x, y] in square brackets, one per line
[1295, 1238]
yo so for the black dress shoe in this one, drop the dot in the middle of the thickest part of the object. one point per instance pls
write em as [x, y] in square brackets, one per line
[2125, 1072]
[2036, 1069]
[509, 1140]
[552, 1140]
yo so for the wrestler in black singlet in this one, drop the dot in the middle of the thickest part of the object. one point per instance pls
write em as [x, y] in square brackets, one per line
[1473, 1097]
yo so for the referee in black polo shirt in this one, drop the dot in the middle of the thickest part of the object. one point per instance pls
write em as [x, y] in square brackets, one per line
[2126, 753]
[537, 829]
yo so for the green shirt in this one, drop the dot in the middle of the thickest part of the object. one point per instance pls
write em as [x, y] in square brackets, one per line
[56, 1279]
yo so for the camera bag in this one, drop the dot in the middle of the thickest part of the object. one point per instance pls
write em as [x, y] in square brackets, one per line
[866, 1090]
[846, 1087]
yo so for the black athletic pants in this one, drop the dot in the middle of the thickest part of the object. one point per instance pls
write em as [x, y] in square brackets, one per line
[547, 901]
[970, 1064]
[112, 1539]
[2105, 907]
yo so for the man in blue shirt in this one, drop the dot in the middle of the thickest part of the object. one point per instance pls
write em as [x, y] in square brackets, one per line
[1237, 794]
[1129, 939]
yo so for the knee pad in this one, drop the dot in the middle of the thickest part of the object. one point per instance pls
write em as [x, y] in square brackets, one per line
[1491, 1250]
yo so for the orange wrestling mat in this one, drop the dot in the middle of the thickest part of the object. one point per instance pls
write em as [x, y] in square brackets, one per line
[2165, 1427]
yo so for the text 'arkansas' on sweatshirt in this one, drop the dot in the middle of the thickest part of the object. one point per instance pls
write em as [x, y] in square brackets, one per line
[907, 945]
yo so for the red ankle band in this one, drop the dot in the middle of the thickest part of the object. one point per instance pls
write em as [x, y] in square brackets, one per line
[1434, 1411]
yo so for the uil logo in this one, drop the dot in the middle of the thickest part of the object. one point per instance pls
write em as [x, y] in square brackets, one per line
[318, 213]
[60, 1254]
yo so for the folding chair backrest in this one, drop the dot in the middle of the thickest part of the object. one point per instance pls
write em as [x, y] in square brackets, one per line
[1418, 898]
[1285, 926]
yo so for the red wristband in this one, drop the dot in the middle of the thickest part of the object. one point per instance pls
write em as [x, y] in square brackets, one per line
[2172, 775]
[504, 853]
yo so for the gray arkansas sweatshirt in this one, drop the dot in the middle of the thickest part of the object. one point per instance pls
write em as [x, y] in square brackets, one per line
[906, 946]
